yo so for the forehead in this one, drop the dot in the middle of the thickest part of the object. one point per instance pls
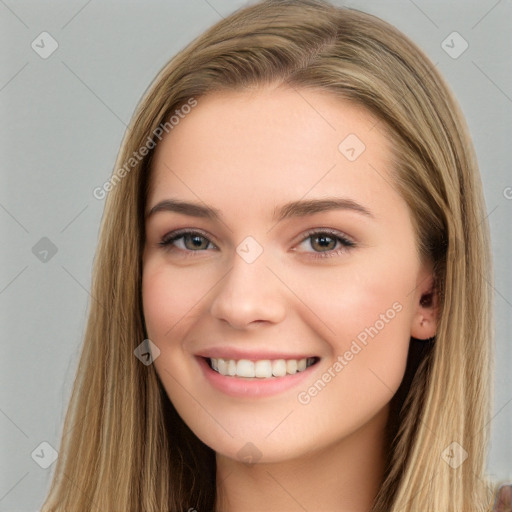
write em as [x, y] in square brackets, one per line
[272, 144]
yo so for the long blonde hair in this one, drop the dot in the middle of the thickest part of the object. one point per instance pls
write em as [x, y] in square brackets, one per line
[123, 446]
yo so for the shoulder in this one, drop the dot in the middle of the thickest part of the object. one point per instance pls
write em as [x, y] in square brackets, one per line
[502, 501]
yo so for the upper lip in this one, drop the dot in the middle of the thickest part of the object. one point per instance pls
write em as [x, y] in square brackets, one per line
[252, 355]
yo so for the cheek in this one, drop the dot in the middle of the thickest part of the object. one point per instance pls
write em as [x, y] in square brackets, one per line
[170, 296]
[173, 304]
[365, 314]
[169, 299]
[160, 306]
[368, 354]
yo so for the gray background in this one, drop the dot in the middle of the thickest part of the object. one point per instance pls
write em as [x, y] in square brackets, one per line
[63, 118]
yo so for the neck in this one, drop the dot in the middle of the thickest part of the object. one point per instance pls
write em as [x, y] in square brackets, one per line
[344, 477]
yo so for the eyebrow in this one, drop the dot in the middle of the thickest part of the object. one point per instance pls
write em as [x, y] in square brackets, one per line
[312, 206]
[289, 210]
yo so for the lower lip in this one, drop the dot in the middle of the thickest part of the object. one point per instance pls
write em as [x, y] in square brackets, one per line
[253, 387]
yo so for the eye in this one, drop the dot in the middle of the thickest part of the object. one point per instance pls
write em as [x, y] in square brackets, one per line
[327, 243]
[192, 241]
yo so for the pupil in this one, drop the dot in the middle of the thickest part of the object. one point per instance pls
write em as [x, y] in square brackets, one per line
[197, 241]
[325, 242]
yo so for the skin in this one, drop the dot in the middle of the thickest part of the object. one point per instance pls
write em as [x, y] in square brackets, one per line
[247, 153]
[504, 499]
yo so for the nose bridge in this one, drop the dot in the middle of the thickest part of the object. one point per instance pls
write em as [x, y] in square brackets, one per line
[249, 292]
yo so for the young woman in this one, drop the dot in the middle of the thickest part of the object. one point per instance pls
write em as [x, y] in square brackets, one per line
[291, 308]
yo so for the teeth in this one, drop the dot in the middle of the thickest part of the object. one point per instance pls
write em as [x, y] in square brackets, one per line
[263, 369]
[279, 368]
[292, 366]
[222, 366]
[245, 368]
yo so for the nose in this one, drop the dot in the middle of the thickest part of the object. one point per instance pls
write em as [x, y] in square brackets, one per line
[248, 295]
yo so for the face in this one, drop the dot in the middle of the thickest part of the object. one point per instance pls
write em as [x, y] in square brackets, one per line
[276, 241]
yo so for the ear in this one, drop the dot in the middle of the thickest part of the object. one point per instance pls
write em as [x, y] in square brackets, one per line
[424, 324]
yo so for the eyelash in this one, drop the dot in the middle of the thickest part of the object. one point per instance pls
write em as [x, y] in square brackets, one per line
[167, 241]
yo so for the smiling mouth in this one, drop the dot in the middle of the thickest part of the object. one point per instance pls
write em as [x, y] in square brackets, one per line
[261, 369]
